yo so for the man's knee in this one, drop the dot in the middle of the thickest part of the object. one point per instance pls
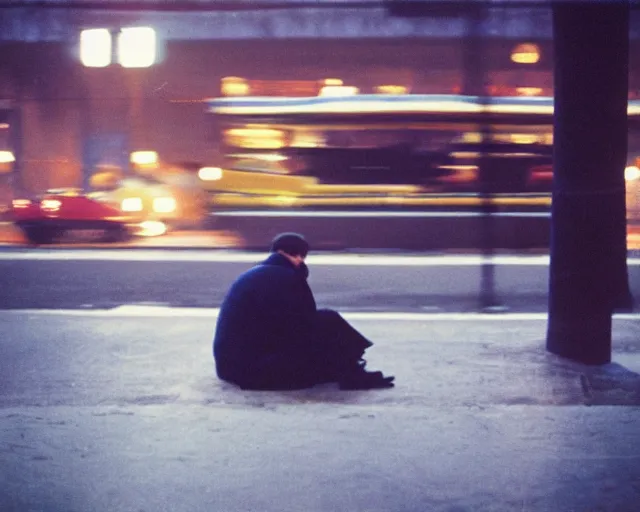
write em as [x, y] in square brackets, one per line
[328, 323]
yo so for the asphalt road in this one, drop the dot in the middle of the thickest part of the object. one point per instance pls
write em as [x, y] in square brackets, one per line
[56, 279]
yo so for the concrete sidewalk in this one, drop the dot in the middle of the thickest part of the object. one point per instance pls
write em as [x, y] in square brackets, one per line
[481, 419]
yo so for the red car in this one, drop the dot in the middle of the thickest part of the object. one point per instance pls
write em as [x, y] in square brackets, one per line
[49, 217]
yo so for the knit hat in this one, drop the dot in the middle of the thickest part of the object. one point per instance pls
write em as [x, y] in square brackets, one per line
[291, 243]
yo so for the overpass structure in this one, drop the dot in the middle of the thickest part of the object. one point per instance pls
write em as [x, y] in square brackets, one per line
[60, 20]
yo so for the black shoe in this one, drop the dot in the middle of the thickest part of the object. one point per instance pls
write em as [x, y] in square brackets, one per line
[366, 380]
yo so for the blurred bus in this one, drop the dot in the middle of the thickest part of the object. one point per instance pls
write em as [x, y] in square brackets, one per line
[422, 169]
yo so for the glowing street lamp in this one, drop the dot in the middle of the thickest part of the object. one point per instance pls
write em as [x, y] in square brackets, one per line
[137, 47]
[95, 47]
[131, 47]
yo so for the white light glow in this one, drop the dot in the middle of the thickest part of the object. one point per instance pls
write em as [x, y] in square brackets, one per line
[152, 228]
[164, 204]
[137, 47]
[50, 205]
[144, 157]
[210, 173]
[632, 173]
[95, 47]
[338, 90]
[131, 204]
[21, 203]
[6, 157]
[265, 157]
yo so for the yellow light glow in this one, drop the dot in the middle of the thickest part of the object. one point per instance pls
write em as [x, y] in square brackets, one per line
[6, 157]
[308, 139]
[529, 91]
[333, 81]
[144, 157]
[392, 89]
[524, 138]
[137, 47]
[164, 205]
[255, 137]
[526, 53]
[234, 86]
[632, 173]
[472, 137]
[338, 90]
[95, 47]
[210, 173]
[283, 200]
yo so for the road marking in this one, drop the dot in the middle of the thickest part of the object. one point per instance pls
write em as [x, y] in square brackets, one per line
[247, 257]
[165, 311]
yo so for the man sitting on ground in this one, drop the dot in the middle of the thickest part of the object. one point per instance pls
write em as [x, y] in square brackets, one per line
[270, 335]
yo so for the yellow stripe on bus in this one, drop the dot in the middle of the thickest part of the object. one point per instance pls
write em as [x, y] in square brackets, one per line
[241, 200]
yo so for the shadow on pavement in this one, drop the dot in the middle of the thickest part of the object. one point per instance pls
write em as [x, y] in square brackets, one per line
[478, 375]
[611, 384]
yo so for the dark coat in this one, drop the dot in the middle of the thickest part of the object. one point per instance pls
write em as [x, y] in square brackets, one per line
[265, 328]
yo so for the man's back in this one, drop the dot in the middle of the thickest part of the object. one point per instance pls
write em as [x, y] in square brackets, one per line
[265, 318]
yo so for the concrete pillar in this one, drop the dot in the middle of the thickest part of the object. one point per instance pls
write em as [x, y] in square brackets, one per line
[588, 272]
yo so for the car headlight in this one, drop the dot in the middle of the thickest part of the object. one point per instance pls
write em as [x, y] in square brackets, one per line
[21, 203]
[164, 205]
[152, 228]
[50, 205]
[131, 204]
